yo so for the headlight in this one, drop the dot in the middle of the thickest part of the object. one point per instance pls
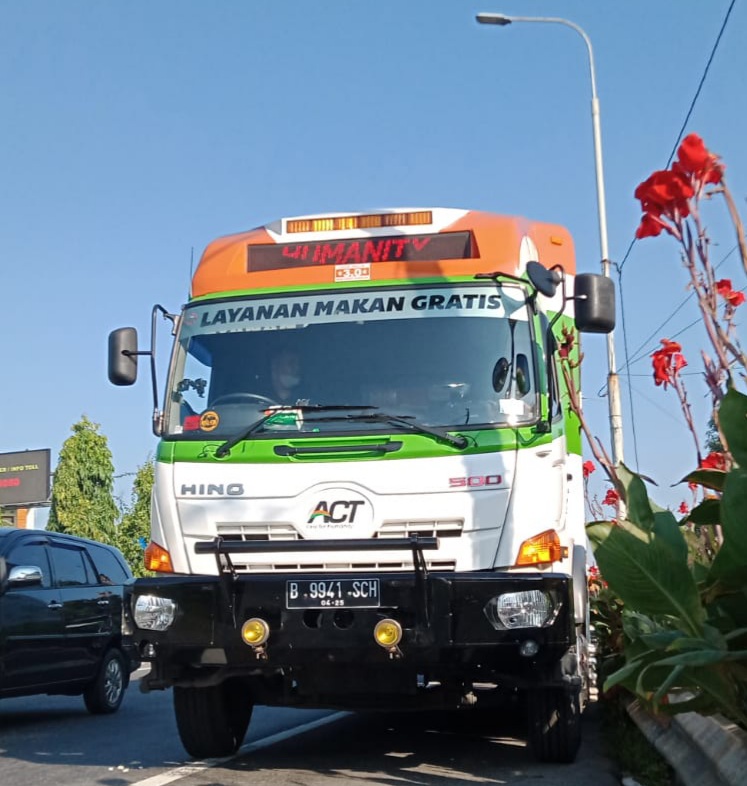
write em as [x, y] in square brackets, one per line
[152, 612]
[530, 609]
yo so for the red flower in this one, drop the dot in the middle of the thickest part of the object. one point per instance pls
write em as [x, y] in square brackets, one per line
[566, 345]
[696, 161]
[667, 362]
[588, 468]
[683, 508]
[650, 226]
[723, 287]
[611, 498]
[665, 193]
[714, 460]
[665, 196]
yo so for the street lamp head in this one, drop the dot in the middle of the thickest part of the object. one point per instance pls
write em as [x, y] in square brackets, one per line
[493, 19]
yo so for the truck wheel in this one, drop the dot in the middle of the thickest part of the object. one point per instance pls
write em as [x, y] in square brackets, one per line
[554, 725]
[212, 721]
[104, 695]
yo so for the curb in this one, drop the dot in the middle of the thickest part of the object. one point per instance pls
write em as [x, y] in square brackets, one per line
[702, 750]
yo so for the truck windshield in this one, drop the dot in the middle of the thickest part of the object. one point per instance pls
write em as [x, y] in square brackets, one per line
[453, 356]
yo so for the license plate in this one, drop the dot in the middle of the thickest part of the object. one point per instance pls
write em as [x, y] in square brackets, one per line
[332, 593]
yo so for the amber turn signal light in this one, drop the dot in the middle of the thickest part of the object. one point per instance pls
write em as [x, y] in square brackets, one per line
[157, 559]
[541, 549]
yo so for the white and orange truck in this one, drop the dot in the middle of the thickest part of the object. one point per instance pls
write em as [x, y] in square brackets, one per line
[407, 529]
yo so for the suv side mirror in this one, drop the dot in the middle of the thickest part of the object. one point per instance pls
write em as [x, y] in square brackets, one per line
[123, 356]
[24, 576]
[594, 303]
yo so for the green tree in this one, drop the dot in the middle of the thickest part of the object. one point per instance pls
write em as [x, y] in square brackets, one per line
[713, 438]
[82, 489]
[134, 528]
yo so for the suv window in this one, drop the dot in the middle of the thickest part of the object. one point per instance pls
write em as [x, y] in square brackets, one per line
[71, 568]
[31, 554]
[109, 569]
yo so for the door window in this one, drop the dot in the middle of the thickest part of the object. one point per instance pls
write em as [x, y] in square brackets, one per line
[71, 568]
[108, 568]
[31, 554]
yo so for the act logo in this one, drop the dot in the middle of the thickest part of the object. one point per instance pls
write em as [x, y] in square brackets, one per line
[341, 511]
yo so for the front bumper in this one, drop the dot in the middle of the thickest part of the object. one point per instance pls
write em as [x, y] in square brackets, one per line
[445, 630]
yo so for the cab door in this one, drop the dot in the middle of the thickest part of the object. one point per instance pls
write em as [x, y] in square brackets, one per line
[32, 628]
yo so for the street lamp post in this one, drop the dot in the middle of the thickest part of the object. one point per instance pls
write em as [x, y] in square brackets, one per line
[613, 385]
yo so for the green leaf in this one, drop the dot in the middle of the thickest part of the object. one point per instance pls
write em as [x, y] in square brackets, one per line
[732, 419]
[639, 508]
[734, 512]
[689, 643]
[735, 634]
[665, 686]
[707, 512]
[730, 563]
[663, 640]
[668, 529]
[651, 577]
[710, 478]
[721, 690]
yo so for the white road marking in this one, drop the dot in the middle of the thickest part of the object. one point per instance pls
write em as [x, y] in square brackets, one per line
[249, 747]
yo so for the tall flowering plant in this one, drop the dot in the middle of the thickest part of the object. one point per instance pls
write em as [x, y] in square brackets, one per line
[671, 202]
[685, 620]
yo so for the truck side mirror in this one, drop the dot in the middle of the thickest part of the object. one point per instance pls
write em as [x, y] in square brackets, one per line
[594, 303]
[123, 356]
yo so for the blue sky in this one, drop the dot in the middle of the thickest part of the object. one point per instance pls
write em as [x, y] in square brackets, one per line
[134, 132]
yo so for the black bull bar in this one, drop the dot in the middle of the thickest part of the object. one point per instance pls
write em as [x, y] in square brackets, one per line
[222, 549]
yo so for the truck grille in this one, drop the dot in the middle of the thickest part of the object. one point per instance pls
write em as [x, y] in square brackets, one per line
[342, 567]
[257, 530]
[284, 530]
[244, 531]
[435, 528]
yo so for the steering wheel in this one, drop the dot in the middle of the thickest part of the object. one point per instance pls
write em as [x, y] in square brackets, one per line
[244, 398]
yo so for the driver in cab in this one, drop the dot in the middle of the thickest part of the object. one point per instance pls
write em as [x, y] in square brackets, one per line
[285, 376]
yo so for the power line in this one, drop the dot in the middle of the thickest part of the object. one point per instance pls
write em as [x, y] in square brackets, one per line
[640, 352]
[702, 80]
[632, 242]
[690, 110]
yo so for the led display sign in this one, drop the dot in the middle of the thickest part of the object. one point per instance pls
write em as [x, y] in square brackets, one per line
[24, 478]
[360, 251]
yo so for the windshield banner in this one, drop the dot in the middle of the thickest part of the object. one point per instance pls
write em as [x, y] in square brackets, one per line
[275, 313]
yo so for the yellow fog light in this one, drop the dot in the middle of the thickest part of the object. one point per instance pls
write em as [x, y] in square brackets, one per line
[255, 632]
[388, 633]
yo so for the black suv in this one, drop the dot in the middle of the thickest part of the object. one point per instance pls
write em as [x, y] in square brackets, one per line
[64, 618]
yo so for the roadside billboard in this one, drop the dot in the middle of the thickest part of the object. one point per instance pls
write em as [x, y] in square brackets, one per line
[25, 478]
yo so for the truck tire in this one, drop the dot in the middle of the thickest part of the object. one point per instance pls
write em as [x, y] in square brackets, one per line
[104, 695]
[212, 721]
[554, 725]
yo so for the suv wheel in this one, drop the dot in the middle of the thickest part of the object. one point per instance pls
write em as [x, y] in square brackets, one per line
[105, 693]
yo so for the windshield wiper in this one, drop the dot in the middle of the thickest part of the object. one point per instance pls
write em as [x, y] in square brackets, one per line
[225, 448]
[409, 422]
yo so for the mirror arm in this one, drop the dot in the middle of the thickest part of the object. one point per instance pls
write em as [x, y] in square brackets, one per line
[157, 414]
